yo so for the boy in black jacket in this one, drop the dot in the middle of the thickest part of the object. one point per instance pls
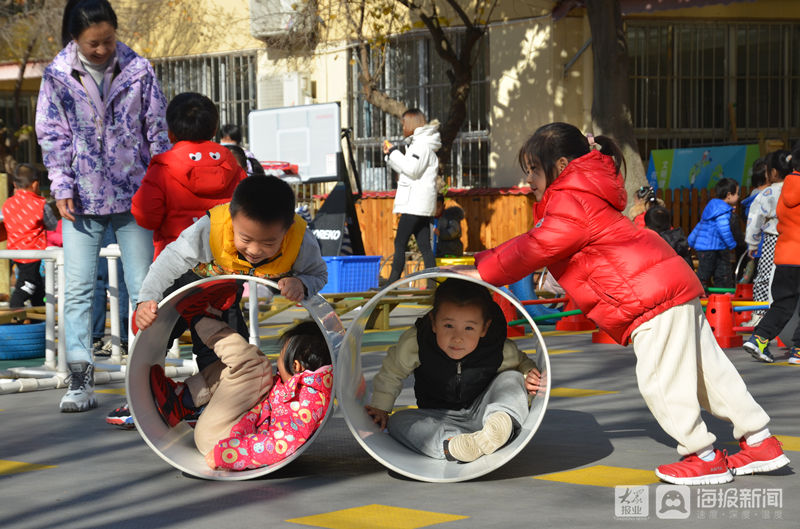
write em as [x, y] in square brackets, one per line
[469, 380]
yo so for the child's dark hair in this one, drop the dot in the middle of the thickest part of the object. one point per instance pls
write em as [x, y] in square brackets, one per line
[80, 14]
[25, 175]
[780, 161]
[658, 219]
[796, 156]
[192, 117]
[231, 131]
[238, 153]
[461, 292]
[555, 140]
[440, 198]
[265, 199]
[305, 343]
[725, 187]
[758, 175]
[415, 113]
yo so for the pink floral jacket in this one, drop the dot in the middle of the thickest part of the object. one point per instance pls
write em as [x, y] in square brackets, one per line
[278, 426]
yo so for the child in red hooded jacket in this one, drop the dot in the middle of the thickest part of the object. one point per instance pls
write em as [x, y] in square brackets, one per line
[636, 288]
[195, 175]
[180, 186]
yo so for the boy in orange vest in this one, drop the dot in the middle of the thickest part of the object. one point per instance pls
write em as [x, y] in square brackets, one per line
[256, 234]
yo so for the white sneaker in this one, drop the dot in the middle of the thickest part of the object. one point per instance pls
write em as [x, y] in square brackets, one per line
[80, 396]
[496, 431]
[755, 320]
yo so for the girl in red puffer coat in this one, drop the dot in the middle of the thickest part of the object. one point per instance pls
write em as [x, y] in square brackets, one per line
[634, 286]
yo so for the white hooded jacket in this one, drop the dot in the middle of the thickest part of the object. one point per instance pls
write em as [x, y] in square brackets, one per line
[416, 187]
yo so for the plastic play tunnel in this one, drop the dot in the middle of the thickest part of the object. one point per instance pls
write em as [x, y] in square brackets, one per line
[353, 393]
[176, 445]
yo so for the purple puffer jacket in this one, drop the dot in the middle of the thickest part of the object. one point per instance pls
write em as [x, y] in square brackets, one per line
[97, 151]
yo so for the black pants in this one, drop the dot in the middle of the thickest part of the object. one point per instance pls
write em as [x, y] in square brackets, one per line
[715, 263]
[785, 295]
[233, 316]
[420, 228]
[30, 285]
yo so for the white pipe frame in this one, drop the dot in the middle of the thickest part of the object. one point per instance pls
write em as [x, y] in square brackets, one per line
[352, 394]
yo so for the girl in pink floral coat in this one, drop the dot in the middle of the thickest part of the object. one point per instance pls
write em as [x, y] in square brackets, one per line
[277, 427]
[251, 418]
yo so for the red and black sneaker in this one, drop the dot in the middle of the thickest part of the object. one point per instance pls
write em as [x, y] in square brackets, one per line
[209, 299]
[167, 394]
[766, 456]
[691, 470]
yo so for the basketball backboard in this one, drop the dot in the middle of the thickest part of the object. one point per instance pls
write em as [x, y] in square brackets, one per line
[307, 135]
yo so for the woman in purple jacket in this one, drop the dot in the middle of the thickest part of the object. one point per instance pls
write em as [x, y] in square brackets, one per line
[99, 119]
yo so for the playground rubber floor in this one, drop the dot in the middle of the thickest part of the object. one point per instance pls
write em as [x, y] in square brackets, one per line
[589, 465]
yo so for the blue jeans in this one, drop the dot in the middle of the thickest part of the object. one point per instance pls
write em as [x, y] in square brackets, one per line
[100, 289]
[83, 239]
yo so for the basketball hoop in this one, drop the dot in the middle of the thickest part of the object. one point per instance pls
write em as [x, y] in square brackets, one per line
[280, 168]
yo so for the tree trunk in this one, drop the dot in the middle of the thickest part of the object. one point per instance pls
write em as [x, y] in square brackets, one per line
[456, 115]
[611, 113]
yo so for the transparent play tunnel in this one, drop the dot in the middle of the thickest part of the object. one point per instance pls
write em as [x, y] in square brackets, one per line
[353, 391]
[176, 445]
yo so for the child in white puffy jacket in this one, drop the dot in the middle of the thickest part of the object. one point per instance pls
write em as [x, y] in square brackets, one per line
[415, 199]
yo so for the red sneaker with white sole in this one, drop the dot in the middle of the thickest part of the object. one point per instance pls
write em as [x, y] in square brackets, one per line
[766, 456]
[691, 470]
[167, 396]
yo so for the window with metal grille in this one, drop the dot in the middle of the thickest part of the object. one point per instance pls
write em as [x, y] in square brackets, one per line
[713, 82]
[228, 80]
[416, 75]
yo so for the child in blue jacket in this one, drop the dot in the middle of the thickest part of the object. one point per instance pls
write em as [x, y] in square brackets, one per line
[713, 238]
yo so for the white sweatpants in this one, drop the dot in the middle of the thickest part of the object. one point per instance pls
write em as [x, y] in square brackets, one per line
[680, 367]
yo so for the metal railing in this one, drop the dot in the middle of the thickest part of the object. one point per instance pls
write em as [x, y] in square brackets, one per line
[53, 373]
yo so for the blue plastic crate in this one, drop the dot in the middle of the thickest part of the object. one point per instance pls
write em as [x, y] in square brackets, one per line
[352, 273]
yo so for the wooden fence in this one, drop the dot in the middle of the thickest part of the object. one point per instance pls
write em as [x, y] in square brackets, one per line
[491, 217]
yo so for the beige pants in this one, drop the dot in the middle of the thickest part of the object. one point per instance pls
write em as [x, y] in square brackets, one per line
[680, 368]
[229, 387]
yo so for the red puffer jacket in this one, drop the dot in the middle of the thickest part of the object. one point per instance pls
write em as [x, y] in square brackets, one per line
[181, 185]
[619, 275]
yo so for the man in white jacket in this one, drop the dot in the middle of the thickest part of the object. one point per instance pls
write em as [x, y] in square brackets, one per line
[415, 199]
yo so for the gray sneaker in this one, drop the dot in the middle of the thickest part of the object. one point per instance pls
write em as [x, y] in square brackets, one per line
[80, 396]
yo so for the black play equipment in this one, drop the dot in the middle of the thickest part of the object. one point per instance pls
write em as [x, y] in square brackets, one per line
[339, 209]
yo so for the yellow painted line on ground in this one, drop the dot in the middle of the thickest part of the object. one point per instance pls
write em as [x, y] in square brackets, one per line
[603, 476]
[790, 443]
[401, 408]
[575, 392]
[372, 516]
[115, 391]
[783, 364]
[17, 467]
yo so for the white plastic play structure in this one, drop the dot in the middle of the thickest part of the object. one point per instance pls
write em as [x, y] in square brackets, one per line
[353, 393]
[176, 445]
